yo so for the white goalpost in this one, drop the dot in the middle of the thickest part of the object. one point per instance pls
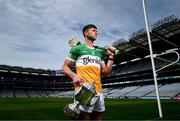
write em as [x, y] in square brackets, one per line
[152, 59]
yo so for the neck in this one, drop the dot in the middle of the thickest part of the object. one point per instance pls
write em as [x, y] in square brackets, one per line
[88, 42]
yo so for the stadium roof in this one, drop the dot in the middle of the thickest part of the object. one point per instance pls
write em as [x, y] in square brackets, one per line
[164, 36]
[18, 69]
[28, 70]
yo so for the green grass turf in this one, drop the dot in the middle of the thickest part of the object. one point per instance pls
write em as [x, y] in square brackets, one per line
[51, 109]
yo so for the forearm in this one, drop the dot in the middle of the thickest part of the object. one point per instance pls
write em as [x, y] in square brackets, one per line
[77, 81]
[108, 66]
[66, 70]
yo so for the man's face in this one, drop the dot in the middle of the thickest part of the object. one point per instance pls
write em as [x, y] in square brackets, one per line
[91, 34]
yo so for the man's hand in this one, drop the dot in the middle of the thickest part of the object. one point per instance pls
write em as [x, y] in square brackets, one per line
[108, 53]
[112, 49]
[77, 81]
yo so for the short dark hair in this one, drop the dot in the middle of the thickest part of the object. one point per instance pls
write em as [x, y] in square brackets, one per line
[87, 27]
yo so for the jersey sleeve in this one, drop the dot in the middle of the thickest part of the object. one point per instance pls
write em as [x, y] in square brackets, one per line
[74, 53]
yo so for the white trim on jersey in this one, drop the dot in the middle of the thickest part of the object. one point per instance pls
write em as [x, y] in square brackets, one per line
[70, 59]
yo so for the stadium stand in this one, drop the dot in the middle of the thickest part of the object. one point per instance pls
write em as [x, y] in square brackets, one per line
[16, 83]
[122, 92]
[143, 90]
[131, 76]
[133, 65]
[167, 91]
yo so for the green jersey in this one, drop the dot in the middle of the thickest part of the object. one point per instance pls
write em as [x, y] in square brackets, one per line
[88, 63]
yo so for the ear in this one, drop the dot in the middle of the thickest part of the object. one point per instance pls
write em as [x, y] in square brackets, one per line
[86, 33]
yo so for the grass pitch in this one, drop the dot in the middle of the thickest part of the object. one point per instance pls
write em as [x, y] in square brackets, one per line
[116, 109]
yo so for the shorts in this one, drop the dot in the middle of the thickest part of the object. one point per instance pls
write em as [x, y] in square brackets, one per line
[99, 106]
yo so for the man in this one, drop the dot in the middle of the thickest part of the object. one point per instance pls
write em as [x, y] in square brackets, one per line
[89, 64]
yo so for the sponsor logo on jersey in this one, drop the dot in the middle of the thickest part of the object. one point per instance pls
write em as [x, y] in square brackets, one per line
[88, 60]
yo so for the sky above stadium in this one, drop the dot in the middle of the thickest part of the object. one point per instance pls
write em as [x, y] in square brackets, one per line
[35, 33]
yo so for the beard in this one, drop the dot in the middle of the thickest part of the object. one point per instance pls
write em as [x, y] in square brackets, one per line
[90, 38]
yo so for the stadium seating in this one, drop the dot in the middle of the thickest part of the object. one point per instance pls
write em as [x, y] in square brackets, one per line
[20, 93]
[6, 93]
[63, 94]
[140, 92]
[168, 91]
[33, 93]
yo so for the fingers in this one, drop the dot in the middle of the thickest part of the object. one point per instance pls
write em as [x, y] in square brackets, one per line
[112, 49]
[109, 53]
[78, 82]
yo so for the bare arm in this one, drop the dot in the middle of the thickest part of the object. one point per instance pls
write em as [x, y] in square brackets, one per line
[107, 68]
[66, 68]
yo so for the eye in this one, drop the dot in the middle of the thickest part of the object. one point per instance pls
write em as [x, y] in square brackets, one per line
[95, 30]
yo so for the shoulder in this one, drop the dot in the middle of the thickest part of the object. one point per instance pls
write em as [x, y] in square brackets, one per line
[77, 48]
